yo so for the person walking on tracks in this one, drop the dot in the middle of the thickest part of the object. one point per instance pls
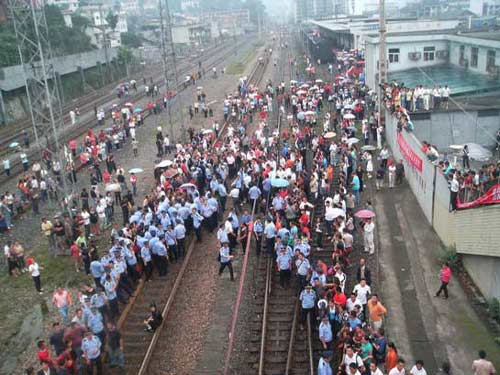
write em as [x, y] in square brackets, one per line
[445, 277]
[225, 260]
[284, 262]
[91, 348]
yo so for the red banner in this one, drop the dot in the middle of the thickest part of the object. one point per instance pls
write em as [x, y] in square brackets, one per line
[490, 197]
[410, 155]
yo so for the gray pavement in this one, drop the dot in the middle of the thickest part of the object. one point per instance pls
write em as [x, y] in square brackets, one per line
[423, 326]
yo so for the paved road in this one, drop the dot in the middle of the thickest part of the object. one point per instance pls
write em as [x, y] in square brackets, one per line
[423, 326]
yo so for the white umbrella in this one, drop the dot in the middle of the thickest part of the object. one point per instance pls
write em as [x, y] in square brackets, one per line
[310, 113]
[305, 86]
[319, 81]
[301, 92]
[113, 187]
[368, 148]
[188, 185]
[330, 135]
[164, 164]
[207, 131]
[136, 170]
[352, 141]
[349, 116]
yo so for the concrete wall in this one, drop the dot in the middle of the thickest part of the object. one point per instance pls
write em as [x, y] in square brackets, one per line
[485, 271]
[12, 77]
[421, 182]
[456, 127]
[474, 232]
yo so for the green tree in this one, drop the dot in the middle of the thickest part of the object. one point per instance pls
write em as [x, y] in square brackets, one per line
[131, 40]
[112, 20]
[125, 55]
[9, 54]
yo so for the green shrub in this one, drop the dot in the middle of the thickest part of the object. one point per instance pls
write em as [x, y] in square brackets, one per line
[494, 308]
[450, 255]
[497, 340]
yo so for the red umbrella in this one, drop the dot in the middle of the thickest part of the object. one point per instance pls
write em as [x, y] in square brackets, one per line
[365, 214]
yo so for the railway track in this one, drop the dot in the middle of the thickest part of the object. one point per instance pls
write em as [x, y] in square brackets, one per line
[85, 103]
[140, 347]
[81, 128]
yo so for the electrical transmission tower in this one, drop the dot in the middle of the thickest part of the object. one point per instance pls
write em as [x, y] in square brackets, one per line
[168, 53]
[35, 54]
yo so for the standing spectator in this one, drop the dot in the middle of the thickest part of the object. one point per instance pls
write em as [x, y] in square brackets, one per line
[369, 228]
[465, 157]
[392, 175]
[62, 300]
[376, 311]
[418, 368]
[399, 369]
[444, 277]
[225, 260]
[46, 369]
[400, 172]
[454, 188]
[133, 182]
[24, 160]
[6, 166]
[325, 332]
[482, 366]
[34, 270]
[115, 347]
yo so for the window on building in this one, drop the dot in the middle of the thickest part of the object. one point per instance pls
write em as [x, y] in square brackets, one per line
[490, 59]
[393, 55]
[429, 53]
[461, 53]
[473, 56]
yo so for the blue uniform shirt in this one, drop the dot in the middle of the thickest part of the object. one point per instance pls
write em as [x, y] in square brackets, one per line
[146, 254]
[95, 323]
[270, 230]
[97, 269]
[254, 192]
[91, 347]
[180, 231]
[308, 298]
[224, 255]
[325, 332]
[283, 261]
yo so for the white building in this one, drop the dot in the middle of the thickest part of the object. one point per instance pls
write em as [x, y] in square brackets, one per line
[69, 5]
[478, 52]
[485, 7]
[189, 4]
[97, 15]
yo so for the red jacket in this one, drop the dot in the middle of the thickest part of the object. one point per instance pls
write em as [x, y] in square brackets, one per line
[445, 274]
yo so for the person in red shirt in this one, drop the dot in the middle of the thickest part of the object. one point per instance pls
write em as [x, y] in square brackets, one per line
[106, 177]
[44, 353]
[339, 298]
[445, 277]
[72, 146]
[76, 255]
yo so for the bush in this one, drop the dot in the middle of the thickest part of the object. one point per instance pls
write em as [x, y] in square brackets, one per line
[494, 308]
[497, 340]
[450, 255]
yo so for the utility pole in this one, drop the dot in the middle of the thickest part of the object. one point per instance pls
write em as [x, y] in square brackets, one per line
[102, 27]
[170, 41]
[382, 62]
[165, 67]
[35, 53]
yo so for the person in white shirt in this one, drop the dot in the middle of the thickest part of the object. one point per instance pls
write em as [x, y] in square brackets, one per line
[454, 187]
[351, 357]
[392, 175]
[352, 302]
[368, 236]
[399, 369]
[374, 370]
[418, 369]
[445, 96]
[362, 291]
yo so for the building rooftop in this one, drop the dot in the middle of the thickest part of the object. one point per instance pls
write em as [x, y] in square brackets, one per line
[461, 82]
[486, 35]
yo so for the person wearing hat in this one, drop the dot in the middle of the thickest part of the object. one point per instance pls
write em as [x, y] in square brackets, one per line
[324, 367]
[325, 332]
[308, 299]
[284, 263]
[225, 259]
[91, 348]
[34, 270]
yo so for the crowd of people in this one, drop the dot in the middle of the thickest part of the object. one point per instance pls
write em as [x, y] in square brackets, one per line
[297, 191]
